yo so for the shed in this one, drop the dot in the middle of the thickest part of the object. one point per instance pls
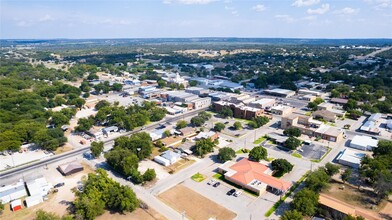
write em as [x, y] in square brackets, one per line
[33, 200]
[16, 205]
[70, 168]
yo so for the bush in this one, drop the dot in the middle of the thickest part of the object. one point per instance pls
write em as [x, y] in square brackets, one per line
[237, 125]
[181, 124]
[149, 175]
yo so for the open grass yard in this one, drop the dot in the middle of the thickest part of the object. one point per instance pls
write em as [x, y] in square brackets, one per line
[198, 177]
[196, 206]
[359, 198]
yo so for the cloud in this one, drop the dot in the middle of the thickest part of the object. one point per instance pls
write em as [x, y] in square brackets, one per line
[380, 4]
[285, 18]
[259, 8]
[319, 11]
[46, 18]
[189, 2]
[302, 3]
[232, 10]
[347, 11]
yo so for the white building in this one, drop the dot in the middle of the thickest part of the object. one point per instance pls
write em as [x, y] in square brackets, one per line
[38, 187]
[280, 92]
[362, 142]
[201, 102]
[33, 200]
[12, 192]
[350, 158]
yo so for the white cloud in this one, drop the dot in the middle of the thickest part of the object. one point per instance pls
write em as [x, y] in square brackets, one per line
[259, 8]
[285, 18]
[46, 18]
[189, 2]
[319, 11]
[380, 4]
[302, 3]
[347, 11]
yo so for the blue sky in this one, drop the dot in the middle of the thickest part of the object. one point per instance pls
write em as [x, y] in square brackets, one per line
[195, 18]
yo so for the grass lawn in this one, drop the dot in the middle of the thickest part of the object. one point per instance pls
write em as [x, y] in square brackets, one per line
[270, 159]
[296, 155]
[261, 139]
[241, 151]
[198, 177]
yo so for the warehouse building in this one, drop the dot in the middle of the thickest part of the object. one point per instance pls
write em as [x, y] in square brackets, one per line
[362, 142]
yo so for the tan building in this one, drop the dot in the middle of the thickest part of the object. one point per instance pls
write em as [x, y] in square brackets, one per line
[325, 115]
[239, 110]
[281, 110]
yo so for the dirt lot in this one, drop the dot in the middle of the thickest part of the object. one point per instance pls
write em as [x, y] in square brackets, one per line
[139, 214]
[361, 199]
[195, 205]
[179, 165]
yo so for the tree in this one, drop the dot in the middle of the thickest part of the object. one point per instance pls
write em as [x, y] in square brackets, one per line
[331, 169]
[117, 87]
[139, 144]
[292, 143]
[181, 124]
[237, 125]
[346, 175]
[59, 119]
[317, 180]
[78, 102]
[305, 201]
[350, 217]
[193, 83]
[226, 154]
[292, 132]
[197, 121]
[161, 83]
[96, 148]
[258, 153]
[166, 133]
[203, 147]
[383, 185]
[84, 124]
[219, 126]
[261, 120]
[149, 175]
[252, 124]
[281, 166]
[291, 215]
[312, 106]
[123, 161]
[226, 112]
[101, 104]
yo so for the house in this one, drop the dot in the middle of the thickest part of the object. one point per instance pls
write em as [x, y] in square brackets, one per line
[204, 135]
[280, 92]
[95, 133]
[350, 158]
[12, 192]
[167, 158]
[110, 129]
[389, 124]
[325, 115]
[253, 176]
[16, 205]
[309, 98]
[374, 117]
[339, 101]
[70, 168]
[370, 127]
[173, 140]
[282, 110]
[187, 131]
[361, 142]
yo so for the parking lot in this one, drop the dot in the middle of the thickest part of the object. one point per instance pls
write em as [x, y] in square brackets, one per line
[313, 151]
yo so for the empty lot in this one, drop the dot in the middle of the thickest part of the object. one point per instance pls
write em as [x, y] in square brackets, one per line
[195, 205]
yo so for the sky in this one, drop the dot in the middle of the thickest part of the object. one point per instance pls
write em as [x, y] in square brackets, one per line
[76, 19]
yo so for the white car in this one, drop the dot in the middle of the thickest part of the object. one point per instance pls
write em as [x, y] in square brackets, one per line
[237, 193]
[211, 182]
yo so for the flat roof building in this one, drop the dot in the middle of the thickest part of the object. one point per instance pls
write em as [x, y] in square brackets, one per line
[350, 158]
[280, 92]
[362, 142]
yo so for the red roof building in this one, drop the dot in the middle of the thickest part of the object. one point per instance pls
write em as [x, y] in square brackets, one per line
[252, 175]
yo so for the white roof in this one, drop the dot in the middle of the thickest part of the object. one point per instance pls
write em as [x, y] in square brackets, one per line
[351, 156]
[361, 140]
[16, 203]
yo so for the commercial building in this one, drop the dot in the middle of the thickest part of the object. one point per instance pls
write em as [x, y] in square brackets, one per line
[350, 158]
[309, 98]
[180, 96]
[339, 101]
[311, 127]
[361, 142]
[280, 92]
[70, 168]
[325, 115]
[239, 110]
[253, 176]
[282, 110]
[197, 90]
[204, 135]
[12, 192]
[262, 103]
[201, 102]
[309, 92]
[39, 187]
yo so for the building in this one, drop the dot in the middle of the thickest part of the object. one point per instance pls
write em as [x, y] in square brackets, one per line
[201, 103]
[262, 103]
[180, 96]
[110, 129]
[239, 110]
[70, 168]
[33, 200]
[204, 135]
[282, 110]
[95, 133]
[370, 127]
[339, 101]
[325, 115]
[38, 187]
[253, 176]
[309, 98]
[174, 78]
[389, 124]
[280, 92]
[16, 205]
[350, 158]
[311, 127]
[12, 192]
[145, 89]
[197, 91]
[309, 92]
[374, 117]
[361, 142]
[278, 138]
[187, 131]
[167, 158]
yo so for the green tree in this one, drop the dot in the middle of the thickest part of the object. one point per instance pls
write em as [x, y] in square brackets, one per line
[281, 166]
[226, 112]
[292, 143]
[78, 102]
[149, 175]
[204, 146]
[305, 201]
[101, 104]
[96, 148]
[346, 175]
[181, 124]
[84, 124]
[312, 106]
[193, 83]
[226, 154]
[331, 169]
[197, 121]
[252, 124]
[291, 215]
[123, 161]
[258, 153]
[350, 217]
[292, 132]
[161, 83]
[139, 144]
[219, 126]
[59, 119]
[237, 125]
[117, 87]
[166, 133]
[317, 180]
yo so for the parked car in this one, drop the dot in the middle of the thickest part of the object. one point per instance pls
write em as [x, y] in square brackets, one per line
[59, 185]
[230, 192]
[216, 184]
[211, 182]
[237, 193]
